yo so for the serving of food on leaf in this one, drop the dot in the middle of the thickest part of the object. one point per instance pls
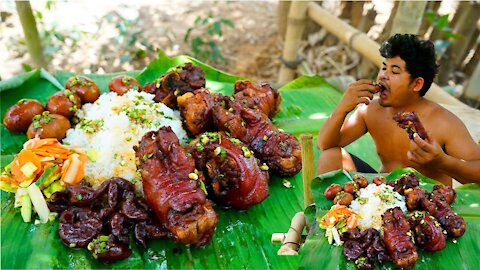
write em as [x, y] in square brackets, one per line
[381, 221]
[151, 160]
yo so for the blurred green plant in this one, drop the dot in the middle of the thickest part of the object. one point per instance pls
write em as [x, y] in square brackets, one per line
[205, 47]
[441, 23]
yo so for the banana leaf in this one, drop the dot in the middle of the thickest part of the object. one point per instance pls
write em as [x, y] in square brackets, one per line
[241, 239]
[460, 253]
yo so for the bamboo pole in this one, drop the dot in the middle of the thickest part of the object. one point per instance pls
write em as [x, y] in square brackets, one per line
[282, 17]
[388, 25]
[295, 27]
[458, 48]
[30, 31]
[291, 240]
[308, 170]
[367, 47]
[408, 18]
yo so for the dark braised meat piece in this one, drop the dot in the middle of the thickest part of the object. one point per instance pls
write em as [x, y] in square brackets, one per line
[398, 238]
[233, 175]
[405, 182]
[410, 122]
[453, 223]
[164, 89]
[176, 83]
[191, 78]
[196, 110]
[171, 189]
[364, 248]
[101, 219]
[415, 198]
[107, 249]
[78, 227]
[445, 193]
[262, 97]
[279, 150]
[427, 231]
[438, 207]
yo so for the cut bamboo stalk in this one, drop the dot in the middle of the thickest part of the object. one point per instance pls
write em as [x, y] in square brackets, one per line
[291, 240]
[463, 28]
[409, 17]
[308, 167]
[282, 15]
[30, 31]
[367, 47]
[388, 25]
[295, 27]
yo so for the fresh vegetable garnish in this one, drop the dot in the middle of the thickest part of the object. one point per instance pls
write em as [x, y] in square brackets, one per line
[41, 168]
[338, 220]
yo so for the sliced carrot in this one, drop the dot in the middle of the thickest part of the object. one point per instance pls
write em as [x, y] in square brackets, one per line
[73, 169]
[8, 179]
[37, 142]
[20, 160]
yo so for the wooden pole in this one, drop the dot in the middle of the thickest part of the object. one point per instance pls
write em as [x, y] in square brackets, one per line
[388, 25]
[409, 17]
[463, 28]
[282, 17]
[472, 90]
[30, 31]
[345, 32]
[308, 170]
[295, 27]
[367, 47]
[433, 7]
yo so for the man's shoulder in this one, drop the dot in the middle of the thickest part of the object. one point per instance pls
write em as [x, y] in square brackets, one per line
[439, 112]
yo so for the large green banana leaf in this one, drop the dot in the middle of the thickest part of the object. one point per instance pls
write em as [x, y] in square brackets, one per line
[459, 254]
[241, 239]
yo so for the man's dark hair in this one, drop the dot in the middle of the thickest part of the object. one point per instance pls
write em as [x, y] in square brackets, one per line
[419, 56]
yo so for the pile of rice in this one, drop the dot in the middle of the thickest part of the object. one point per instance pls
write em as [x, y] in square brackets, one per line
[111, 126]
[372, 202]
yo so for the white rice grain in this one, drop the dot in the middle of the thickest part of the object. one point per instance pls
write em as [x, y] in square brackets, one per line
[372, 202]
[111, 126]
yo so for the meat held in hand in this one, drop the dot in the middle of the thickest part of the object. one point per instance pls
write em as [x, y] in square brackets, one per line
[410, 122]
[233, 175]
[171, 190]
[398, 238]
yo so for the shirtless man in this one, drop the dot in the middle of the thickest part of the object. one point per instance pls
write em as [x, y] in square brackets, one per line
[406, 75]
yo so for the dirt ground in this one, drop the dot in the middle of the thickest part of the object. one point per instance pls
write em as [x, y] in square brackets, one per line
[97, 37]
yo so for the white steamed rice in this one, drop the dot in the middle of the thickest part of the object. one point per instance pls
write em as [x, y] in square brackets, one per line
[111, 126]
[372, 202]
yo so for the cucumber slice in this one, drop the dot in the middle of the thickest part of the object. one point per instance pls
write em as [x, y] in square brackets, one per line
[39, 202]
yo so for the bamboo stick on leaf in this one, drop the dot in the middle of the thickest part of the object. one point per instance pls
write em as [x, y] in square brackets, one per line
[308, 171]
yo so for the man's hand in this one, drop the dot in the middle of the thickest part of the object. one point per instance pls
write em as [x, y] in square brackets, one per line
[357, 92]
[425, 152]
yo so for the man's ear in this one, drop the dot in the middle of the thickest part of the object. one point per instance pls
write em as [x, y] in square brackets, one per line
[418, 84]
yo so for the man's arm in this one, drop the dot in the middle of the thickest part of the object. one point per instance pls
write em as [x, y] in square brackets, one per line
[336, 132]
[460, 160]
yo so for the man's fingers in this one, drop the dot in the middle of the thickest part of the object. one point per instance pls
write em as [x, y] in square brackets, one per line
[413, 157]
[420, 142]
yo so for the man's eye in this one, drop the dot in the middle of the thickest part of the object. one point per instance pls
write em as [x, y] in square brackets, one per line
[395, 72]
[384, 68]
